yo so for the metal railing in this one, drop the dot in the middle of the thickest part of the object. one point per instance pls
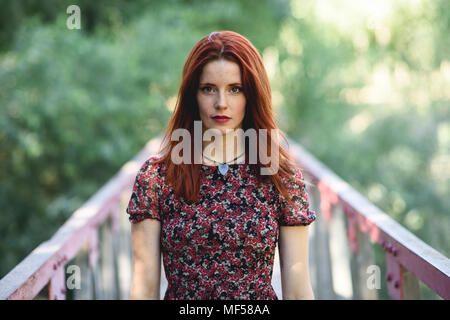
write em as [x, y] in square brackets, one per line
[346, 212]
[96, 239]
[82, 238]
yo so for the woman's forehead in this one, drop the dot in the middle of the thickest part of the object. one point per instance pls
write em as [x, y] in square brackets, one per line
[221, 72]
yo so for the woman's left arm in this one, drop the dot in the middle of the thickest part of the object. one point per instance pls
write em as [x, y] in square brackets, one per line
[293, 251]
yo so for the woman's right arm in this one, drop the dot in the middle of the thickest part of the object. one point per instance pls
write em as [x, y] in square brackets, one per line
[145, 237]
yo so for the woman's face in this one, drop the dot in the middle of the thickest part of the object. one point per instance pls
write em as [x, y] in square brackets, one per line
[220, 96]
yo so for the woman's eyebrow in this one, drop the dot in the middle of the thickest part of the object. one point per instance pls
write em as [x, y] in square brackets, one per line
[212, 84]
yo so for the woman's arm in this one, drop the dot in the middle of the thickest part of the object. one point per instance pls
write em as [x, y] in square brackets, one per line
[145, 237]
[293, 250]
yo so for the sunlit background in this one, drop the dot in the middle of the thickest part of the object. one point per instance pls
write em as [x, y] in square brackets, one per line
[363, 85]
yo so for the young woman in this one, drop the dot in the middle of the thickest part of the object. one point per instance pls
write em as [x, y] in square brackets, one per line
[216, 218]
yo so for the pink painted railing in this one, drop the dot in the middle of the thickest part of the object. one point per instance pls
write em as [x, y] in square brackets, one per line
[45, 265]
[407, 257]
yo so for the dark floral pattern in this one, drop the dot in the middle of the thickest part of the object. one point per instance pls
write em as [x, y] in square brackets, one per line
[223, 246]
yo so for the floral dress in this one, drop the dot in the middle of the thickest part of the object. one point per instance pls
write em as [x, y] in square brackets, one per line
[222, 246]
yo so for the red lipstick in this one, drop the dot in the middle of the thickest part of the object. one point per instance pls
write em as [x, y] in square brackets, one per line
[221, 119]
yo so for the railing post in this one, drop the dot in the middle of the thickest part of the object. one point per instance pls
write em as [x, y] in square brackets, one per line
[361, 261]
[321, 274]
[93, 263]
[57, 286]
[410, 285]
[393, 277]
[401, 283]
[86, 291]
[362, 257]
[108, 262]
[340, 255]
[352, 227]
[114, 232]
[124, 251]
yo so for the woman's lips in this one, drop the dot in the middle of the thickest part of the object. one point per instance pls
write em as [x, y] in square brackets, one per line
[221, 119]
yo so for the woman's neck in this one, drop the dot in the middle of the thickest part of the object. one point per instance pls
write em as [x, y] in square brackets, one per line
[226, 150]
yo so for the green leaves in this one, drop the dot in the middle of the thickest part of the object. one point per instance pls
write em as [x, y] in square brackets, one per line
[77, 104]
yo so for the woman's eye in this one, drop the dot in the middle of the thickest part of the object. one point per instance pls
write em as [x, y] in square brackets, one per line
[239, 89]
[210, 89]
[204, 89]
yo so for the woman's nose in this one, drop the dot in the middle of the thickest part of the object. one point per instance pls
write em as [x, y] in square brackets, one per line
[221, 101]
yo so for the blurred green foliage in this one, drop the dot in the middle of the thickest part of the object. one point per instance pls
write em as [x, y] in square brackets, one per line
[77, 104]
[364, 87]
[371, 99]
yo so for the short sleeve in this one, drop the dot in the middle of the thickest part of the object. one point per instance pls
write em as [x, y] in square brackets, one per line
[298, 214]
[143, 203]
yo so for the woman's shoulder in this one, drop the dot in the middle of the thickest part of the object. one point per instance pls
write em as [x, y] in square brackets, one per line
[154, 161]
[150, 169]
[294, 178]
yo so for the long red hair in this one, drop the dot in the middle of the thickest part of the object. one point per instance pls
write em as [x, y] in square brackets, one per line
[259, 114]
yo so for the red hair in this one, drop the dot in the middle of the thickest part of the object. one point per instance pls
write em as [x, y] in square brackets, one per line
[259, 114]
